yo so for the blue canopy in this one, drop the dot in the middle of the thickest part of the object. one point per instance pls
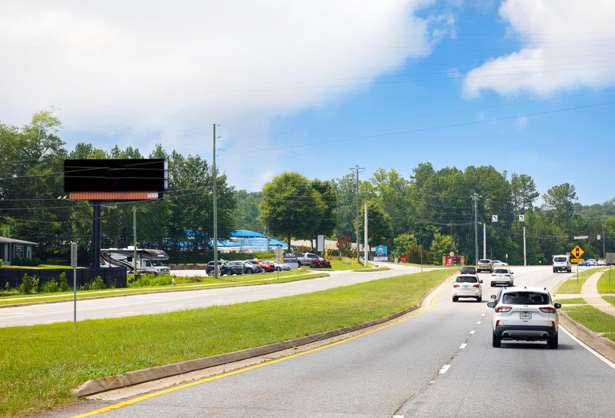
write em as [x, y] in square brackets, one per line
[244, 233]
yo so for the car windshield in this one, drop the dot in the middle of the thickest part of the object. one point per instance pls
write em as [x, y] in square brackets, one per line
[467, 279]
[560, 259]
[525, 298]
[501, 271]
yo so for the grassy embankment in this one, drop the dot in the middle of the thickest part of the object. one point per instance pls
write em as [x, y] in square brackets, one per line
[606, 284]
[45, 361]
[572, 286]
[593, 319]
[182, 284]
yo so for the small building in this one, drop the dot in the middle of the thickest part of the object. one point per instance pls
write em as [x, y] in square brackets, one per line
[11, 249]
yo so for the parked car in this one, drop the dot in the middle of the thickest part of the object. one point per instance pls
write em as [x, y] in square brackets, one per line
[266, 266]
[601, 262]
[321, 263]
[561, 263]
[291, 260]
[250, 267]
[527, 314]
[307, 259]
[233, 267]
[282, 266]
[502, 276]
[468, 270]
[468, 286]
[484, 265]
[209, 269]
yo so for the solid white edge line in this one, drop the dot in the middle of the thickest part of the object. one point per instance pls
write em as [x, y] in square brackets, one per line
[588, 348]
[463, 346]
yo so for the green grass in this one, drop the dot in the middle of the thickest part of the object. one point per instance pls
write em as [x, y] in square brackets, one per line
[593, 319]
[40, 364]
[39, 267]
[201, 283]
[609, 299]
[571, 286]
[372, 269]
[572, 301]
[345, 264]
[603, 284]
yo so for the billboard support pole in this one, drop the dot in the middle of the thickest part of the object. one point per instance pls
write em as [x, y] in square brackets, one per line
[96, 235]
[365, 240]
[215, 204]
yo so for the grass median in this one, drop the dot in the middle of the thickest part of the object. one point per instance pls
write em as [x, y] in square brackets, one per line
[572, 285]
[40, 364]
[594, 319]
[183, 284]
[606, 284]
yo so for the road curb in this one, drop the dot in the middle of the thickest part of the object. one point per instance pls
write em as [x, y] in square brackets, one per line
[603, 346]
[136, 377]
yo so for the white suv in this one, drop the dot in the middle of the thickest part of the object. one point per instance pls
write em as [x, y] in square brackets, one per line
[467, 286]
[502, 276]
[526, 314]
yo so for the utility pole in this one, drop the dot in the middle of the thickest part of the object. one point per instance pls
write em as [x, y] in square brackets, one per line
[134, 239]
[475, 198]
[356, 170]
[215, 204]
[484, 239]
[603, 242]
[365, 240]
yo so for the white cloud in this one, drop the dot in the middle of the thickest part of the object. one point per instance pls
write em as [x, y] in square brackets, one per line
[168, 69]
[567, 44]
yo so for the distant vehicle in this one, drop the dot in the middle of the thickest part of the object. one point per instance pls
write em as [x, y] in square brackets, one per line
[291, 260]
[484, 265]
[468, 270]
[232, 268]
[561, 263]
[601, 262]
[468, 286]
[282, 266]
[150, 261]
[209, 269]
[585, 264]
[266, 266]
[502, 276]
[307, 259]
[526, 314]
[321, 263]
[498, 263]
[592, 262]
[250, 267]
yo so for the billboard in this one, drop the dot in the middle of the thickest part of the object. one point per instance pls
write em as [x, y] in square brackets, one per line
[115, 179]
[381, 253]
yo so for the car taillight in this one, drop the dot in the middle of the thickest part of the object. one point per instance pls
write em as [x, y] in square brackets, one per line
[547, 309]
[455, 286]
[503, 309]
[476, 286]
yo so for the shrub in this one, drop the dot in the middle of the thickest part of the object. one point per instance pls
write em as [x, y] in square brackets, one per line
[50, 286]
[63, 282]
[148, 280]
[29, 284]
[26, 262]
[98, 283]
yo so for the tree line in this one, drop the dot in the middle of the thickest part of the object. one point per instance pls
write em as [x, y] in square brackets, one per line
[424, 213]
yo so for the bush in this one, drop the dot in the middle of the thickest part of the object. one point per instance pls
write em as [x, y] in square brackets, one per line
[148, 280]
[63, 282]
[50, 286]
[97, 284]
[29, 284]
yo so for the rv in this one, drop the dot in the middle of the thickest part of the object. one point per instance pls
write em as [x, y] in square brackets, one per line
[148, 260]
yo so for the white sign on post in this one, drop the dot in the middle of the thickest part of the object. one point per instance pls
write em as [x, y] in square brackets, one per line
[494, 218]
[521, 218]
[320, 243]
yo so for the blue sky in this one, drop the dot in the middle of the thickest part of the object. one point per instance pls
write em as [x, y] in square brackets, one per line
[569, 146]
[527, 86]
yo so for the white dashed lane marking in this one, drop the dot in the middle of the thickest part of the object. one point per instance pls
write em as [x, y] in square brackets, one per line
[445, 368]
[463, 346]
[472, 332]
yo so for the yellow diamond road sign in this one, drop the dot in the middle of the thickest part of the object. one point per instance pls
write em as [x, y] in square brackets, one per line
[577, 252]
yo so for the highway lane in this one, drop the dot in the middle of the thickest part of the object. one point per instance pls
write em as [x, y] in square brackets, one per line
[122, 306]
[438, 364]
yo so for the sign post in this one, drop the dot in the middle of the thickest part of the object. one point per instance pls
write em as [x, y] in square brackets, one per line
[577, 252]
[73, 263]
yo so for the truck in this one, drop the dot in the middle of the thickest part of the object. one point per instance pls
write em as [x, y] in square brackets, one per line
[561, 263]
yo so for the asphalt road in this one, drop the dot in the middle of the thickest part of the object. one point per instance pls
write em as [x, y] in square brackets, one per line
[438, 364]
[116, 307]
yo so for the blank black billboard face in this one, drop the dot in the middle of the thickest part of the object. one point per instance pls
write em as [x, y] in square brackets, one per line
[148, 175]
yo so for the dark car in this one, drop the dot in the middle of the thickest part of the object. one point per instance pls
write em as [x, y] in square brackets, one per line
[250, 267]
[321, 263]
[210, 268]
[468, 270]
[233, 267]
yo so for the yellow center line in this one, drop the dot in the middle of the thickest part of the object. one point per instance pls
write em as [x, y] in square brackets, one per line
[133, 401]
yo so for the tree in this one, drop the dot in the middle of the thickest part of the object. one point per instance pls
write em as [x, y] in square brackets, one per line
[441, 246]
[290, 206]
[326, 223]
[403, 244]
[524, 192]
[560, 200]
[247, 212]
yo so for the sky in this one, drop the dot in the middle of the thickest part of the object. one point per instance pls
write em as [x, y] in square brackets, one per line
[527, 86]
